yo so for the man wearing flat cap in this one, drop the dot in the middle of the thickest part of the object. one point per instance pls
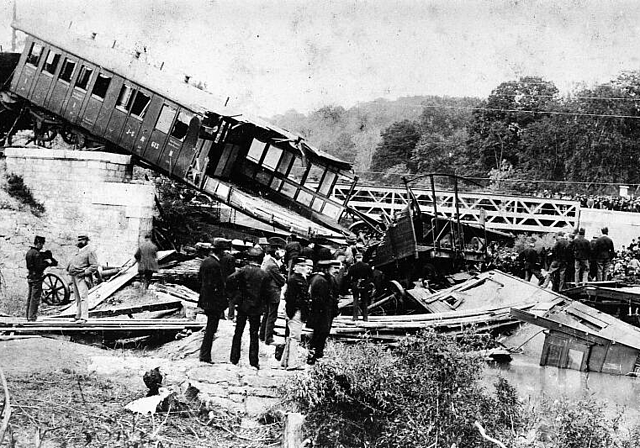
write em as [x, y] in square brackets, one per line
[37, 262]
[81, 268]
[324, 307]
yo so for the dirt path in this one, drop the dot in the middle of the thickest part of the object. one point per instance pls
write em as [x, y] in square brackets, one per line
[45, 370]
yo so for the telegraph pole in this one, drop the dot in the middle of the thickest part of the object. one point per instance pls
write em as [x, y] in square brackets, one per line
[13, 30]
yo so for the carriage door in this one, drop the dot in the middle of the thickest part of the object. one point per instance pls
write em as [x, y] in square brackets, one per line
[61, 85]
[168, 158]
[22, 84]
[44, 81]
[96, 99]
[83, 83]
[138, 110]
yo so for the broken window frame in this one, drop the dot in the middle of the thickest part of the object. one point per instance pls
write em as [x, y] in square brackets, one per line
[181, 125]
[100, 88]
[84, 78]
[51, 63]
[256, 150]
[35, 54]
[64, 71]
[140, 105]
[125, 98]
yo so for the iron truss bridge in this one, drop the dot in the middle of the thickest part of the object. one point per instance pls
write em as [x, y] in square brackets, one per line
[500, 212]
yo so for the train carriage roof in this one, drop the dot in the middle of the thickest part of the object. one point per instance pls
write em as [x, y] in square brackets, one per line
[163, 83]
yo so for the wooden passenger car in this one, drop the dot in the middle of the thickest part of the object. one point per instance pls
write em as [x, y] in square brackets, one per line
[86, 90]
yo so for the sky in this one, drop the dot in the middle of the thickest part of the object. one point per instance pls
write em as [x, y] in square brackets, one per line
[271, 56]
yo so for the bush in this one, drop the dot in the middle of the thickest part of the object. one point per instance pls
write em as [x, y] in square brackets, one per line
[425, 392]
[16, 188]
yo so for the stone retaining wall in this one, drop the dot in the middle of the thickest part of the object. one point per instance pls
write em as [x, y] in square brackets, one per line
[82, 191]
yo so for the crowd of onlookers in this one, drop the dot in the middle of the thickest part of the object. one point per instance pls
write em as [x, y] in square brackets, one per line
[602, 202]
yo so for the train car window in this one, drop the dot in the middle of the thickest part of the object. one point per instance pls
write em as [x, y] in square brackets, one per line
[327, 183]
[288, 189]
[315, 174]
[165, 119]
[101, 86]
[331, 210]
[51, 63]
[304, 198]
[140, 105]
[272, 158]
[317, 204]
[256, 150]
[276, 184]
[125, 97]
[84, 77]
[68, 67]
[181, 125]
[297, 170]
[34, 54]
[285, 163]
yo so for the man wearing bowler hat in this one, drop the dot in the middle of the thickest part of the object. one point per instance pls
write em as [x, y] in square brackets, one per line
[37, 262]
[324, 307]
[81, 267]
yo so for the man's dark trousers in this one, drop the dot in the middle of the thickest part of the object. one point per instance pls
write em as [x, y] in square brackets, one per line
[33, 300]
[213, 318]
[254, 328]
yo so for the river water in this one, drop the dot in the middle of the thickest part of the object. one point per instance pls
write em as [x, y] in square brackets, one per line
[534, 381]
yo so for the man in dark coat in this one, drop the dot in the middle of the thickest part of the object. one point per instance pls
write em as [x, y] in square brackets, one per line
[37, 262]
[252, 288]
[271, 265]
[213, 298]
[562, 256]
[581, 254]
[531, 263]
[147, 258]
[360, 277]
[324, 307]
[297, 310]
[604, 253]
[292, 250]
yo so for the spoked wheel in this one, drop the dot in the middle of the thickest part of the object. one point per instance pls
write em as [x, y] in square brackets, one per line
[73, 137]
[55, 290]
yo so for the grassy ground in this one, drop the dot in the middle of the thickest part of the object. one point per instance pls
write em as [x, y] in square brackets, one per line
[55, 402]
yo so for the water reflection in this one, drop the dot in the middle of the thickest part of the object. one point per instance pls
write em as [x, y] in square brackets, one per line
[533, 381]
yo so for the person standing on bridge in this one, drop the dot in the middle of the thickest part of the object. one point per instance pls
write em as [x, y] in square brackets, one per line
[562, 256]
[581, 254]
[81, 268]
[37, 262]
[604, 253]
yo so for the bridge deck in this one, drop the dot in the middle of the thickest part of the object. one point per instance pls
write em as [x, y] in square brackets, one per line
[501, 212]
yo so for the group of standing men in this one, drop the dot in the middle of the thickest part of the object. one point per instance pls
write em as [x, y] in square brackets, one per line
[573, 259]
[254, 290]
[80, 268]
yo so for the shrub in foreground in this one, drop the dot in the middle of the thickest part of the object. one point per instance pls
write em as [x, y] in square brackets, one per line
[425, 392]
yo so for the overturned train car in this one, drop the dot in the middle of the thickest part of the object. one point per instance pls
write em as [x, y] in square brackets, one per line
[89, 92]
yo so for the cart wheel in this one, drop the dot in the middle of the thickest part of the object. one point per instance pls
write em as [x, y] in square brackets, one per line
[55, 290]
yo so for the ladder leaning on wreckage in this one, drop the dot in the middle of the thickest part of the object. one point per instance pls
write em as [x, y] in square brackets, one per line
[95, 95]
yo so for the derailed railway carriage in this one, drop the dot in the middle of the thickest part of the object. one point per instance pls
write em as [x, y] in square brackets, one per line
[92, 94]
